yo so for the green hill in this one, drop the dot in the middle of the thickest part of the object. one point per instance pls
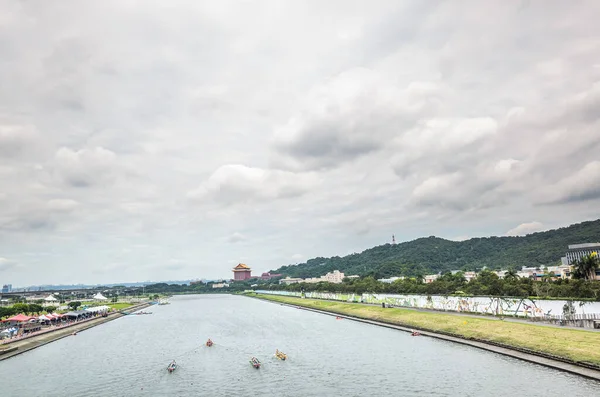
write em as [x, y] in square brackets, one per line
[433, 254]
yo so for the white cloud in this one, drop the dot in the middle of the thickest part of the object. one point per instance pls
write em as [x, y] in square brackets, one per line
[236, 238]
[583, 185]
[355, 113]
[526, 228]
[236, 183]
[62, 205]
[85, 167]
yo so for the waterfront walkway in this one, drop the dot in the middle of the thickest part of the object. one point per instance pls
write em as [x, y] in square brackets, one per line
[50, 335]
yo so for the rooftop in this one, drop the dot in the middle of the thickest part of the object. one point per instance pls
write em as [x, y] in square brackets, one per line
[242, 266]
[586, 245]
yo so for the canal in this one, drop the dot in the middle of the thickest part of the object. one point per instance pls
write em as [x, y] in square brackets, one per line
[327, 357]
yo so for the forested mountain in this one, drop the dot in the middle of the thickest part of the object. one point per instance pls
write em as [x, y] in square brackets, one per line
[433, 254]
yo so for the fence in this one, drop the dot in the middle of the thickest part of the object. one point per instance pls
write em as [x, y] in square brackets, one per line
[500, 306]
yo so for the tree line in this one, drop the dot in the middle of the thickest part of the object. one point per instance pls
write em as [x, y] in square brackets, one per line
[486, 283]
[25, 308]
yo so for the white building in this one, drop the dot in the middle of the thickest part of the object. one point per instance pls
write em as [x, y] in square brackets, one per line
[430, 278]
[220, 285]
[390, 280]
[288, 280]
[313, 280]
[335, 277]
[470, 276]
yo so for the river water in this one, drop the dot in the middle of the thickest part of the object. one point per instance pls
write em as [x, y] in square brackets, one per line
[326, 357]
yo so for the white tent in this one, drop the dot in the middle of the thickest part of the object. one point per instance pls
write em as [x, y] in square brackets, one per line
[50, 298]
[100, 297]
[97, 309]
[43, 318]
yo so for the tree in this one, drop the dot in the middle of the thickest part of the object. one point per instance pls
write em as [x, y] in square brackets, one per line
[511, 274]
[74, 305]
[585, 268]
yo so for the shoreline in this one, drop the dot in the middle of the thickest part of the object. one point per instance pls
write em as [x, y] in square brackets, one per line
[558, 363]
[23, 346]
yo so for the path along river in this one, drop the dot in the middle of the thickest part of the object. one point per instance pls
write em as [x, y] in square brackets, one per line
[327, 357]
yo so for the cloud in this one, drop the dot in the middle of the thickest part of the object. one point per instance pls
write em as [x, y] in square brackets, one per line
[85, 167]
[236, 183]
[15, 139]
[401, 118]
[526, 228]
[6, 264]
[236, 238]
[355, 113]
[62, 205]
[450, 142]
[584, 185]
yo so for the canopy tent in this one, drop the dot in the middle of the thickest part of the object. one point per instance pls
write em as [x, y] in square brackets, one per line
[44, 318]
[9, 331]
[77, 313]
[97, 309]
[100, 297]
[50, 298]
[19, 318]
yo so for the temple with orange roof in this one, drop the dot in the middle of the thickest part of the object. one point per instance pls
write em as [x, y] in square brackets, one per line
[242, 272]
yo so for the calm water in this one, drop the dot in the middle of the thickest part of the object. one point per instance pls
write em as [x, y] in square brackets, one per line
[326, 357]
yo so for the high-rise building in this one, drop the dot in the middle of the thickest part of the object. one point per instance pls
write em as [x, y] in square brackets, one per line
[6, 288]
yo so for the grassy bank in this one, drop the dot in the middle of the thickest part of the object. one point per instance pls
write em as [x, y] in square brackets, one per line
[576, 345]
[120, 305]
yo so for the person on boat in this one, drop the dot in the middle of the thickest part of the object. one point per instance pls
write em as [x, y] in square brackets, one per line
[209, 342]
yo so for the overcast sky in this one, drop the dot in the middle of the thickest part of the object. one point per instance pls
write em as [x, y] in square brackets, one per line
[152, 141]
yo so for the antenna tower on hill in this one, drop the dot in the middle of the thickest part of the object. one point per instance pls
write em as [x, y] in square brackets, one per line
[393, 239]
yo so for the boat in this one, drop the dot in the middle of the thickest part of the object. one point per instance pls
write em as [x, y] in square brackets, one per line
[415, 333]
[209, 343]
[280, 355]
[255, 363]
[163, 302]
[172, 366]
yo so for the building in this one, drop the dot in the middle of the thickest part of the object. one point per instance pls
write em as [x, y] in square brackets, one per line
[269, 276]
[430, 278]
[288, 281]
[469, 276]
[389, 280]
[335, 277]
[313, 280]
[577, 251]
[6, 288]
[242, 272]
[220, 285]
[352, 277]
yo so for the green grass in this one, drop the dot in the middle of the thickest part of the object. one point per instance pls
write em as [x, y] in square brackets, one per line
[576, 345]
[120, 305]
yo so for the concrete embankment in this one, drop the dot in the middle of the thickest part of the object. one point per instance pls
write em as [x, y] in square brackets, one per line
[21, 346]
[588, 371]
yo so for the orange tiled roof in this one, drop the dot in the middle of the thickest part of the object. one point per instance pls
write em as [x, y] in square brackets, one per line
[241, 266]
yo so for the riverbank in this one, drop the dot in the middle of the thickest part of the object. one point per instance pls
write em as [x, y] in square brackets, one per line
[21, 346]
[565, 349]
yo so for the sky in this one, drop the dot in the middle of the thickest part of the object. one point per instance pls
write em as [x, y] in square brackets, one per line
[172, 140]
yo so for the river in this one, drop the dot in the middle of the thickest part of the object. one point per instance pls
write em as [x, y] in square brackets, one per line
[326, 357]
